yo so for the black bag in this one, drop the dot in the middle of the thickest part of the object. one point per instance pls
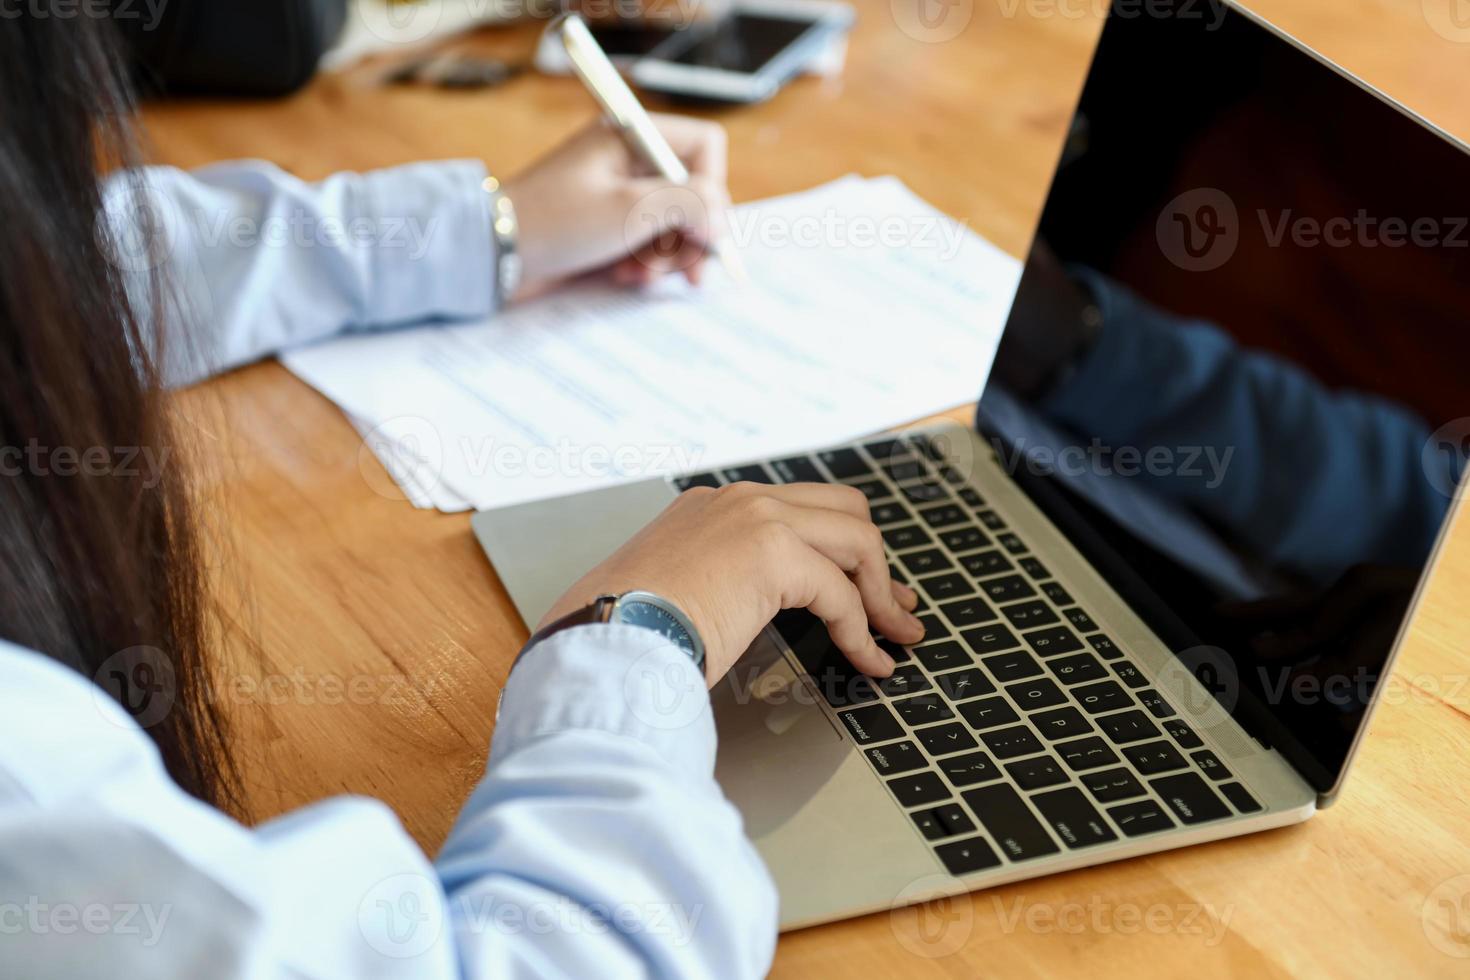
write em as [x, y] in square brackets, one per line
[229, 47]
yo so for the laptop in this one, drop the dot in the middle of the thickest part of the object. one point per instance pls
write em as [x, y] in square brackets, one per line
[1159, 605]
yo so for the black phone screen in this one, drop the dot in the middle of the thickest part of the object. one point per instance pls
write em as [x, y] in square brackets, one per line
[741, 43]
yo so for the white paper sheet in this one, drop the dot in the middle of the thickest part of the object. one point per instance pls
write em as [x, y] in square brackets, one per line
[865, 309]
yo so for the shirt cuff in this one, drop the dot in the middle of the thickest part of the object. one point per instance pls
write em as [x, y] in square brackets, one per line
[605, 677]
[441, 264]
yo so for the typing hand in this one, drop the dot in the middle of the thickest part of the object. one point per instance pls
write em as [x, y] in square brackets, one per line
[734, 557]
[591, 204]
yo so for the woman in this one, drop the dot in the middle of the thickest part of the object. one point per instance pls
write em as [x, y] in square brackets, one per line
[598, 843]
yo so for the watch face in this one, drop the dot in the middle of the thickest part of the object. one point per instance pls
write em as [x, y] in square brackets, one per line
[636, 612]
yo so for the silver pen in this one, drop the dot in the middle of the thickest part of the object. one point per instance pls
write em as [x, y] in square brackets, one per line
[627, 116]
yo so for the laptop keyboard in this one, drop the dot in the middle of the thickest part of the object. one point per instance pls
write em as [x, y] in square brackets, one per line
[1017, 728]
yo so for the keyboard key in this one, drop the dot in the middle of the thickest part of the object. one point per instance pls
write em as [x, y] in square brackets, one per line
[894, 650]
[935, 448]
[1105, 647]
[797, 469]
[1190, 797]
[963, 857]
[964, 539]
[1129, 674]
[1236, 794]
[872, 489]
[918, 789]
[1155, 703]
[960, 685]
[1054, 640]
[1008, 743]
[750, 473]
[874, 723]
[1014, 666]
[1057, 594]
[944, 655]
[844, 464]
[1008, 820]
[1037, 773]
[1011, 543]
[988, 713]
[841, 684]
[1143, 817]
[906, 536]
[924, 491]
[945, 820]
[967, 770]
[934, 628]
[924, 709]
[1182, 734]
[1080, 620]
[1025, 615]
[1086, 753]
[899, 757]
[926, 562]
[986, 563]
[903, 469]
[904, 680]
[1034, 568]
[1061, 723]
[1077, 669]
[697, 480]
[991, 520]
[1007, 588]
[989, 639]
[1127, 726]
[1210, 764]
[1154, 757]
[1107, 785]
[971, 496]
[943, 515]
[889, 512]
[949, 585]
[944, 739]
[1102, 696]
[968, 612]
[883, 449]
[1034, 694]
[1073, 818]
[951, 475]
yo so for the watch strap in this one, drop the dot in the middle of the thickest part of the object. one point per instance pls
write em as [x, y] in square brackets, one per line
[599, 610]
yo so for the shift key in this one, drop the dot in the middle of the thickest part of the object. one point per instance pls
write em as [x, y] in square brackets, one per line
[1010, 822]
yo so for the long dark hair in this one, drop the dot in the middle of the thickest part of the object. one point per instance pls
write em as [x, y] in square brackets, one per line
[100, 556]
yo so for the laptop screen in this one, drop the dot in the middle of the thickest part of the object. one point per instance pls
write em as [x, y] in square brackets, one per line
[1232, 373]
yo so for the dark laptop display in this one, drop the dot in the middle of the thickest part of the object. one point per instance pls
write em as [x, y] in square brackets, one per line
[1232, 374]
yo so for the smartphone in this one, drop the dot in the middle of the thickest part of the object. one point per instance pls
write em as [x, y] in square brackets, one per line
[747, 55]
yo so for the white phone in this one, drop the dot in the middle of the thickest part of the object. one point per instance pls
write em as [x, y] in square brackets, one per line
[747, 55]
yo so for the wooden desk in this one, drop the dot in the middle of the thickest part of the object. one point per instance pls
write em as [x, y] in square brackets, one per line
[389, 635]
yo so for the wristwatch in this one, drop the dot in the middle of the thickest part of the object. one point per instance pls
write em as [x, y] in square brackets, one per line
[635, 608]
[505, 231]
